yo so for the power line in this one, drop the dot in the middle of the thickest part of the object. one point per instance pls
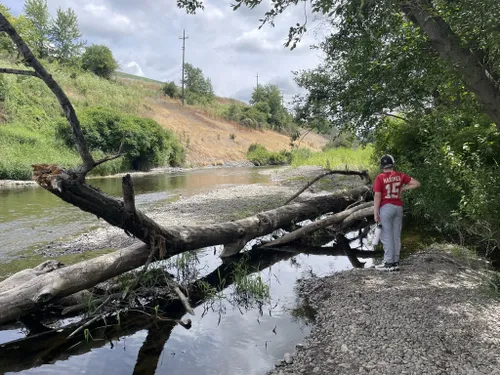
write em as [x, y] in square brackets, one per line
[184, 37]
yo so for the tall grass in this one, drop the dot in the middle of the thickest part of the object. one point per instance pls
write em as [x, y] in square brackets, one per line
[337, 158]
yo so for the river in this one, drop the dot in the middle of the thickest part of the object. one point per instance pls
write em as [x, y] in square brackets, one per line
[228, 336]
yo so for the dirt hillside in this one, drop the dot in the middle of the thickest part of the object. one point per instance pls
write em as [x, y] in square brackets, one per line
[211, 141]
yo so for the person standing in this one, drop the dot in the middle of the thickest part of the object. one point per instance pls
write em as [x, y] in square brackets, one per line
[388, 209]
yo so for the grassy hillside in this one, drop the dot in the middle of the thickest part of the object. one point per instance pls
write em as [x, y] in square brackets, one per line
[30, 114]
[136, 78]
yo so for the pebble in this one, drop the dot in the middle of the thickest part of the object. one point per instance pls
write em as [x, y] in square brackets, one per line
[433, 319]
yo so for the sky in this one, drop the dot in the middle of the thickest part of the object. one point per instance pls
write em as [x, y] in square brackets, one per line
[227, 45]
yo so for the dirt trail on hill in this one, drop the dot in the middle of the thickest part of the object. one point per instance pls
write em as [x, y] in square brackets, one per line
[210, 141]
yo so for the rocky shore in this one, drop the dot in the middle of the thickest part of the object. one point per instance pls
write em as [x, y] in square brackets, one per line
[432, 317]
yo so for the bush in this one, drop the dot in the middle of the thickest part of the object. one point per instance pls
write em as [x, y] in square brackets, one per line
[259, 155]
[170, 89]
[99, 60]
[146, 143]
[454, 155]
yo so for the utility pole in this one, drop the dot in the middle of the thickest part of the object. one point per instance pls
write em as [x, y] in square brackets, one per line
[184, 37]
[282, 98]
[257, 89]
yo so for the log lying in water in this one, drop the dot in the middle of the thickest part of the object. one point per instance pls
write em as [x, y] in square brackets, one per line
[21, 298]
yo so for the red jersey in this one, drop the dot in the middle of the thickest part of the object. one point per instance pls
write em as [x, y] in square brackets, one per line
[389, 184]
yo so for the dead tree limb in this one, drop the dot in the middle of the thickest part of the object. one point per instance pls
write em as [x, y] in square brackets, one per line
[21, 72]
[128, 194]
[334, 219]
[36, 291]
[362, 174]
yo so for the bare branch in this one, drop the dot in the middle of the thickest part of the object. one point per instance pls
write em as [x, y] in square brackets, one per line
[396, 116]
[67, 107]
[19, 72]
[362, 174]
[334, 219]
[128, 194]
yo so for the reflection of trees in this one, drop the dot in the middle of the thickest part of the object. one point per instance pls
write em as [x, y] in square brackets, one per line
[52, 346]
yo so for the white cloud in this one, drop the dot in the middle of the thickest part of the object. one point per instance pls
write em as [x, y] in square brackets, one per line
[227, 45]
[134, 68]
[95, 10]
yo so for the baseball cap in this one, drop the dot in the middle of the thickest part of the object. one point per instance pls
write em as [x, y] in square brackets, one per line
[387, 161]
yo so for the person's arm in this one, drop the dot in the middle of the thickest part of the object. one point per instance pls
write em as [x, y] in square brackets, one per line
[376, 206]
[413, 184]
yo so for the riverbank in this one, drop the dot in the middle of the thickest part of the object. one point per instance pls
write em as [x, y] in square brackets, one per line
[433, 317]
[9, 184]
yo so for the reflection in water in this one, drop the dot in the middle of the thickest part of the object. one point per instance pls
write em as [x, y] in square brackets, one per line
[29, 215]
[224, 341]
[224, 338]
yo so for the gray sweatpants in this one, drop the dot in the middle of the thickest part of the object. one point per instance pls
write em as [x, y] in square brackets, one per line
[391, 217]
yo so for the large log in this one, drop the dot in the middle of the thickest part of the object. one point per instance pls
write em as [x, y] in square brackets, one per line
[177, 239]
[22, 298]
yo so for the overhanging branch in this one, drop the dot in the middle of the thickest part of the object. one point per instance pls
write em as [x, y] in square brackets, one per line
[19, 72]
[362, 174]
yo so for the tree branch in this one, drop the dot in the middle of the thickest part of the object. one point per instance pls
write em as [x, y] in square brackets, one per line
[19, 72]
[111, 157]
[362, 174]
[334, 219]
[395, 116]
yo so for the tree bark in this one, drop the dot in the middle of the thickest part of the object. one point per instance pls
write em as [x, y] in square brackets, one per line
[177, 239]
[334, 219]
[448, 46]
[22, 297]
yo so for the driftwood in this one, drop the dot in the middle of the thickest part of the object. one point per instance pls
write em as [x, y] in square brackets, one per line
[51, 346]
[362, 174]
[20, 299]
[334, 219]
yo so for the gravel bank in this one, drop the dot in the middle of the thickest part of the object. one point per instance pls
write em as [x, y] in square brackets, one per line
[430, 318]
[219, 205]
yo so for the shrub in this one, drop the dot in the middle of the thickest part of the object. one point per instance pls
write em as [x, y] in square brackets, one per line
[146, 143]
[454, 155]
[259, 155]
[99, 60]
[170, 89]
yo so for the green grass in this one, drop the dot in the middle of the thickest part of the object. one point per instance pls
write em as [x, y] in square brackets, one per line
[138, 78]
[338, 158]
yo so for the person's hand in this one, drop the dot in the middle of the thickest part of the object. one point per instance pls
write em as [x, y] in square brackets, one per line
[377, 217]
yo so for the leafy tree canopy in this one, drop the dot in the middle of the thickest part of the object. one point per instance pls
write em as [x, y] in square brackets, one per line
[37, 12]
[65, 35]
[197, 85]
[99, 59]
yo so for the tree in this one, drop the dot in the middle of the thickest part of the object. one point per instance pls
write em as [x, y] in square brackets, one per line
[99, 60]
[37, 12]
[460, 32]
[197, 84]
[65, 36]
[271, 96]
[170, 89]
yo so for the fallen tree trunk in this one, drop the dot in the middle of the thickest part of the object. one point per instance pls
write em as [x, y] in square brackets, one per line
[23, 297]
[177, 239]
